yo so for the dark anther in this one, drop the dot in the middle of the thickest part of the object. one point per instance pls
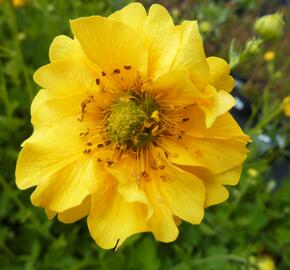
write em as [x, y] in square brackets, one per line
[116, 71]
[185, 119]
[107, 142]
[162, 167]
[99, 160]
[89, 144]
[97, 81]
[103, 73]
[100, 145]
[109, 162]
[127, 67]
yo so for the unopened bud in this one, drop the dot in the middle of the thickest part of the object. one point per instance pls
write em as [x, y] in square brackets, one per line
[270, 26]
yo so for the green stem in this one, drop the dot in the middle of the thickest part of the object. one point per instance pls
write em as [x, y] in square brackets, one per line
[268, 119]
[15, 31]
[4, 93]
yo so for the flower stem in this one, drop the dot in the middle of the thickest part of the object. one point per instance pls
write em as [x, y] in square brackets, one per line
[15, 31]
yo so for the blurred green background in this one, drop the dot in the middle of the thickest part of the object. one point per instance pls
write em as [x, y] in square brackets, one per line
[249, 231]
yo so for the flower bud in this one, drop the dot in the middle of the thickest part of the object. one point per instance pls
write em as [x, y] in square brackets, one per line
[270, 26]
[253, 46]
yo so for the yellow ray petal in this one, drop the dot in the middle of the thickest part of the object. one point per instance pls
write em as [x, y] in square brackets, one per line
[162, 223]
[191, 54]
[112, 220]
[66, 77]
[47, 110]
[225, 127]
[215, 191]
[133, 15]
[183, 192]
[126, 173]
[225, 102]
[209, 104]
[76, 213]
[176, 88]
[50, 214]
[112, 45]
[64, 47]
[53, 159]
[219, 74]
[207, 153]
[163, 40]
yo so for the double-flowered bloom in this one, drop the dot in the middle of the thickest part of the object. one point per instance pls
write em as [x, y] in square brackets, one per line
[131, 128]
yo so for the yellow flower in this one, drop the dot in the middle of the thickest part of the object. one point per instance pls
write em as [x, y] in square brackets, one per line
[132, 127]
[205, 27]
[286, 106]
[266, 263]
[269, 55]
[252, 172]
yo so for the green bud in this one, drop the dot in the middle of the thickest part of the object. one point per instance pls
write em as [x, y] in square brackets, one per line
[253, 46]
[270, 26]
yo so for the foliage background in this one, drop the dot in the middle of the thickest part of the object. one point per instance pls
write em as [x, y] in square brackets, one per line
[252, 224]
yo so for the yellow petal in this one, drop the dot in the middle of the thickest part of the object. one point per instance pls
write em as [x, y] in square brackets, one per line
[66, 77]
[47, 110]
[163, 40]
[225, 127]
[176, 88]
[215, 155]
[209, 104]
[161, 223]
[53, 159]
[112, 219]
[215, 191]
[183, 192]
[219, 74]
[125, 172]
[111, 44]
[225, 102]
[133, 15]
[76, 213]
[191, 54]
[50, 214]
[63, 47]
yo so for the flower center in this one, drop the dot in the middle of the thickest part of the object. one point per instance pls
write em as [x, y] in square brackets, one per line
[131, 121]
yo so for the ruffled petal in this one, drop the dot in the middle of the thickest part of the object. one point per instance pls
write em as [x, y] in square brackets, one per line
[225, 102]
[207, 153]
[64, 47]
[219, 74]
[133, 15]
[191, 54]
[47, 110]
[67, 77]
[76, 213]
[53, 159]
[224, 128]
[163, 39]
[126, 173]
[215, 191]
[112, 45]
[162, 223]
[176, 88]
[112, 219]
[209, 104]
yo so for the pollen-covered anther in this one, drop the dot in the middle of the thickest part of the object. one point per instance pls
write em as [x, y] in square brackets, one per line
[155, 116]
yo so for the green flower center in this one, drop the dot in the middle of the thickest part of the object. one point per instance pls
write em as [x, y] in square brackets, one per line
[130, 123]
